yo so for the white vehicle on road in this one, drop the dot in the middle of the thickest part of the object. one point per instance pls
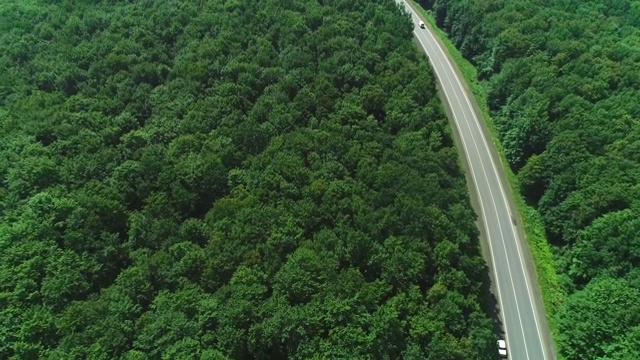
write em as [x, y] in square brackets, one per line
[421, 24]
[502, 348]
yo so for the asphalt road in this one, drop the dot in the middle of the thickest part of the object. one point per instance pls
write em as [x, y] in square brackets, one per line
[526, 331]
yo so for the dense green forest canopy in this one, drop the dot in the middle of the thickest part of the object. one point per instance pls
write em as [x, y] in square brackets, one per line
[563, 78]
[229, 180]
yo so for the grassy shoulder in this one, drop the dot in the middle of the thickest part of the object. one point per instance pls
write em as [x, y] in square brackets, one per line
[552, 292]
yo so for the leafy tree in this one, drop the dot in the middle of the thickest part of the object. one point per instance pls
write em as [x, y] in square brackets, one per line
[607, 246]
[591, 320]
[233, 180]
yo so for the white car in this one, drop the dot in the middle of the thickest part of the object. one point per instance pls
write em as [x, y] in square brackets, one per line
[502, 348]
[421, 24]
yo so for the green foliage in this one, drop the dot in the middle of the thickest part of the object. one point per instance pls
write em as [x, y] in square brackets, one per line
[608, 246]
[593, 319]
[229, 180]
[562, 85]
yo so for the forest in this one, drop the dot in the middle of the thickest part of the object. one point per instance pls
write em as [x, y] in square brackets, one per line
[231, 180]
[563, 85]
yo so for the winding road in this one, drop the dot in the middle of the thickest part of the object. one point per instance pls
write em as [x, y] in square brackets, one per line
[526, 331]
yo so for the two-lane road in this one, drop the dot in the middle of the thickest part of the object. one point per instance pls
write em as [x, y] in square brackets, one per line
[527, 333]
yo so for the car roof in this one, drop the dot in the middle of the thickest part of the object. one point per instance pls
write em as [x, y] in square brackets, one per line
[502, 344]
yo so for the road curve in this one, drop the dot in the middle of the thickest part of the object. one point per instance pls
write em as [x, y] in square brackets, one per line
[526, 331]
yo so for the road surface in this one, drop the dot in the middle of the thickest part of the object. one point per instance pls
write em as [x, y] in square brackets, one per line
[524, 324]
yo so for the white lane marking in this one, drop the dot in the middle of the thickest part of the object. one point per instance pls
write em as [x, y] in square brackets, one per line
[501, 190]
[484, 223]
[520, 256]
[482, 206]
[495, 208]
[504, 196]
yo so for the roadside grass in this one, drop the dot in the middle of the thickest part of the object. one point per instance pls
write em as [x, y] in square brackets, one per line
[552, 292]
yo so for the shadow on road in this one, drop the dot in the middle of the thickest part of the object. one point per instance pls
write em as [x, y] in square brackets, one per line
[491, 305]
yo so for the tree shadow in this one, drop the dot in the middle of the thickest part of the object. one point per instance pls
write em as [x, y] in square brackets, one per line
[491, 304]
